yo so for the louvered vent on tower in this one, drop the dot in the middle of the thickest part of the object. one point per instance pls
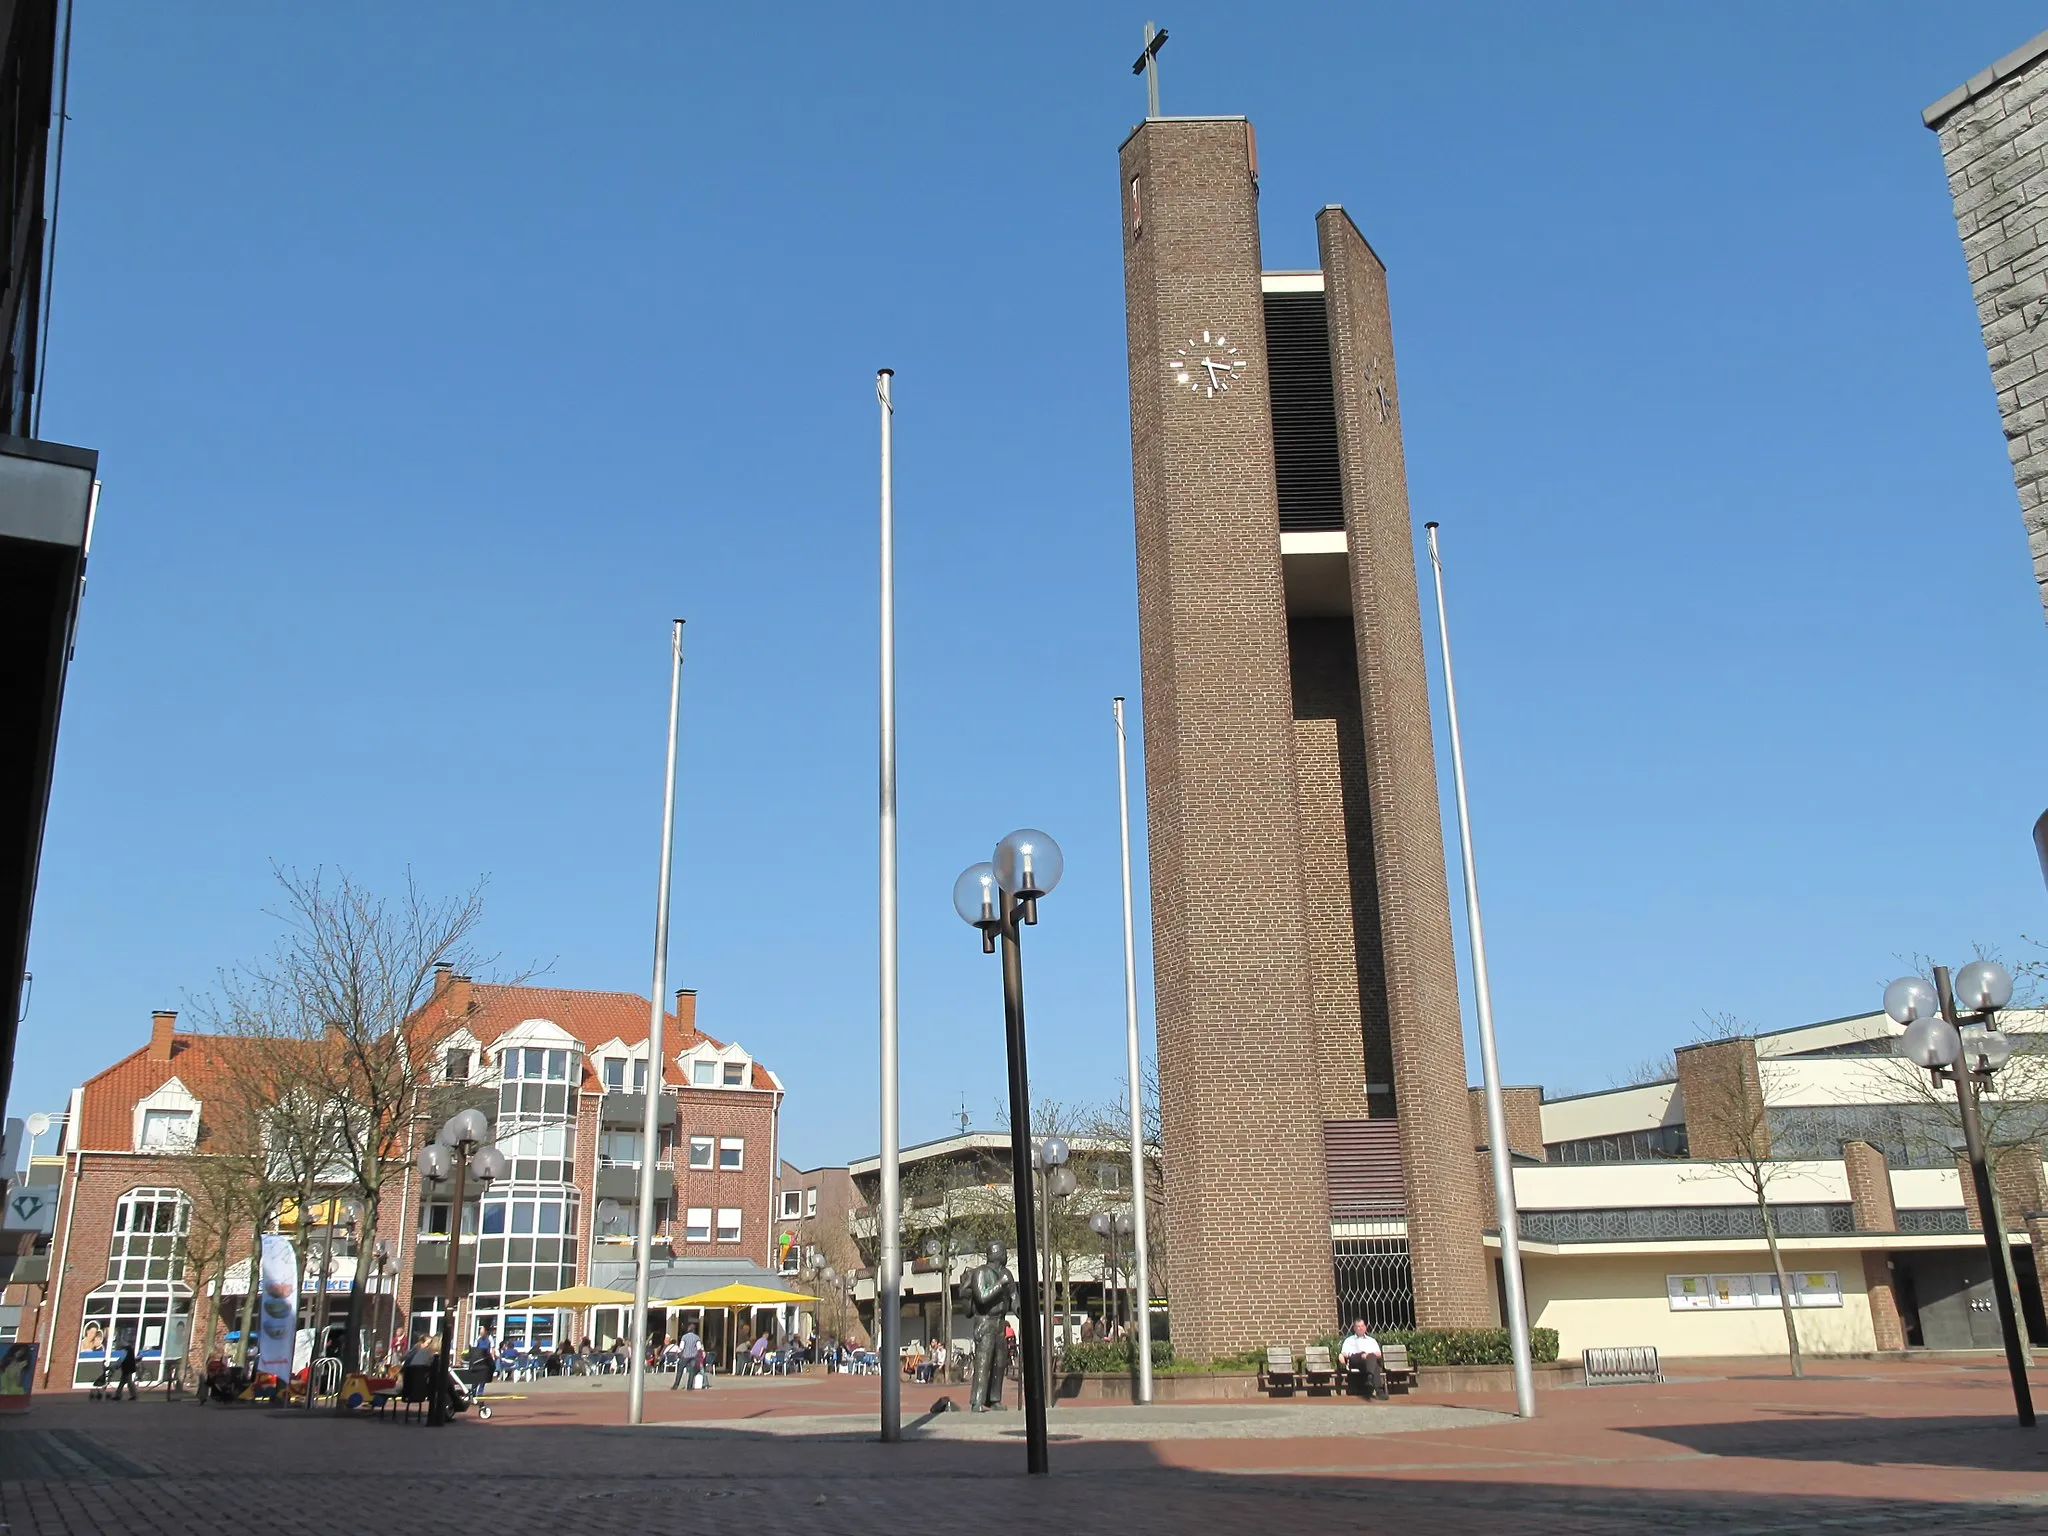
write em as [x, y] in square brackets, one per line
[1304, 414]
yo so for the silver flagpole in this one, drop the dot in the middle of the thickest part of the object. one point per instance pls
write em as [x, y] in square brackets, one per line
[1489, 1061]
[650, 1127]
[889, 1214]
[1141, 1246]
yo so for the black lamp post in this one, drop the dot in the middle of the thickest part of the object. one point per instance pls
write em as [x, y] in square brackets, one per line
[1952, 1031]
[1001, 899]
[461, 1148]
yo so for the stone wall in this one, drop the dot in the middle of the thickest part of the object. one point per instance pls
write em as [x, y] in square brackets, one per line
[1994, 145]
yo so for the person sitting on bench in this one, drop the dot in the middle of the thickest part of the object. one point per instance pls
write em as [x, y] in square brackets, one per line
[1365, 1369]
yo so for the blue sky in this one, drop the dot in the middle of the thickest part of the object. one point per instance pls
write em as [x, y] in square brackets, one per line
[438, 356]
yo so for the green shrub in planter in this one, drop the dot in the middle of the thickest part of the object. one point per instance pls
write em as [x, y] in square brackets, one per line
[1460, 1346]
[1111, 1357]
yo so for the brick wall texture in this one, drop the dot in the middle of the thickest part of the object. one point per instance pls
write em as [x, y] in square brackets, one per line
[1887, 1325]
[2016, 1176]
[1870, 1188]
[1995, 149]
[1420, 967]
[1524, 1109]
[1723, 1098]
[1248, 1223]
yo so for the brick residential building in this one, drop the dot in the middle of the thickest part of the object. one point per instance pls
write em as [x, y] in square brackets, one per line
[815, 1212]
[1995, 150]
[562, 1075]
[1299, 907]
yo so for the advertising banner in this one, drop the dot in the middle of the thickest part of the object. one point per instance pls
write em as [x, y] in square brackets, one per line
[278, 1308]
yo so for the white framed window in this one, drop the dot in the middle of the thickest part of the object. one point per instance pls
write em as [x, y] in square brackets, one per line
[640, 1075]
[455, 1065]
[811, 1201]
[700, 1151]
[614, 1074]
[703, 1074]
[697, 1224]
[167, 1130]
[735, 1074]
[732, 1152]
[728, 1223]
[792, 1204]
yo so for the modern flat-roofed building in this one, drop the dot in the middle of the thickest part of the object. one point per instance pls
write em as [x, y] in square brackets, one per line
[1638, 1227]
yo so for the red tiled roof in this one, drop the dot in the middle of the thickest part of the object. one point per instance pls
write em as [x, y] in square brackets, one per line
[107, 1108]
[591, 1017]
[202, 1062]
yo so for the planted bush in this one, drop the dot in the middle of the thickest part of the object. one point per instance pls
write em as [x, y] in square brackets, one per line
[1104, 1357]
[1460, 1346]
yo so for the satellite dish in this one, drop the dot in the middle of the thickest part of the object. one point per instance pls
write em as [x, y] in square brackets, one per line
[608, 1212]
[38, 1123]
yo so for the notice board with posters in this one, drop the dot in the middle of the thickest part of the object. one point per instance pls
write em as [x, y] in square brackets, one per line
[1725, 1293]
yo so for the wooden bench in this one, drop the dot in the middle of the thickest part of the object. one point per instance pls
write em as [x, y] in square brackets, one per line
[1316, 1369]
[1278, 1376]
[1400, 1372]
[1614, 1366]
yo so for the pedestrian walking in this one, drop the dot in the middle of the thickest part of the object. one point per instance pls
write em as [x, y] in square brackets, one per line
[689, 1360]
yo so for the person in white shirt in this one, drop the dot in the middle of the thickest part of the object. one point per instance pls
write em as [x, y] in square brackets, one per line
[1364, 1364]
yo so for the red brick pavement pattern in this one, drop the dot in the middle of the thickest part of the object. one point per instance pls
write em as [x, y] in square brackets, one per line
[1873, 1448]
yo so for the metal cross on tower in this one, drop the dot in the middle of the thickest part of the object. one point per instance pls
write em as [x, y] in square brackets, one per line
[1148, 65]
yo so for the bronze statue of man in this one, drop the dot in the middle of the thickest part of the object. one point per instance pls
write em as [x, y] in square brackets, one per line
[989, 1293]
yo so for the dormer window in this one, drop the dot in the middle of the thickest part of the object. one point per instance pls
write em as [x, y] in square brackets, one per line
[167, 1120]
[735, 1074]
[455, 1065]
[703, 1074]
[614, 1074]
[167, 1130]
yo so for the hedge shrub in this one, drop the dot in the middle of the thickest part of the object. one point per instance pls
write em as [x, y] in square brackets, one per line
[1109, 1356]
[1460, 1346]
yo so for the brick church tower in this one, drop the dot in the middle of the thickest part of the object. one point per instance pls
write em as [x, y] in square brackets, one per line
[1311, 1058]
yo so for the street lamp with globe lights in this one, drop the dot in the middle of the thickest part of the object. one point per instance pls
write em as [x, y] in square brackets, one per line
[1056, 1180]
[1112, 1228]
[461, 1151]
[1000, 898]
[1951, 1029]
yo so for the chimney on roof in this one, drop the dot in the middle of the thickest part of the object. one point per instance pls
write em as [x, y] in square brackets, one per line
[161, 1023]
[443, 969]
[686, 1008]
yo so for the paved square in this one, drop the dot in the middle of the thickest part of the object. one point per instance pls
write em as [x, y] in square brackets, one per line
[1865, 1448]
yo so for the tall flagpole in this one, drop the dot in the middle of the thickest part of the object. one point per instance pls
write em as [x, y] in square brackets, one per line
[1496, 1112]
[650, 1129]
[889, 1212]
[1141, 1246]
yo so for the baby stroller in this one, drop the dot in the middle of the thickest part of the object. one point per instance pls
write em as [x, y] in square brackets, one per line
[466, 1391]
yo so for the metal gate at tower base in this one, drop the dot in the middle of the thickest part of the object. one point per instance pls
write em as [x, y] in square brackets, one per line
[1374, 1281]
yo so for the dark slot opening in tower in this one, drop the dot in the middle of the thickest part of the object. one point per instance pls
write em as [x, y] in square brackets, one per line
[1304, 414]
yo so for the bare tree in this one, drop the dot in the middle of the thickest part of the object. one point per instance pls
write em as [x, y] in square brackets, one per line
[1730, 1112]
[363, 969]
[1109, 1127]
[343, 999]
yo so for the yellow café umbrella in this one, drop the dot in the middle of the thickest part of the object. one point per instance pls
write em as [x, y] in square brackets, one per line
[730, 1298]
[581, 1296]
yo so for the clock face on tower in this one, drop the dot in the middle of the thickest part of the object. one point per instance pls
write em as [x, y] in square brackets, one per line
[1207, 365]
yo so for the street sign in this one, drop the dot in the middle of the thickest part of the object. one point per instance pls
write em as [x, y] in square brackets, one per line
[32, 1208]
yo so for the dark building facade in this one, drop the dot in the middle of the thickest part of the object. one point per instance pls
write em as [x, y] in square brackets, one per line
[1302, 944]
[46, 496]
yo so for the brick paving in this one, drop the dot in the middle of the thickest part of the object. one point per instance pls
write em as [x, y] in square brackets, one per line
[1877, 1448]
